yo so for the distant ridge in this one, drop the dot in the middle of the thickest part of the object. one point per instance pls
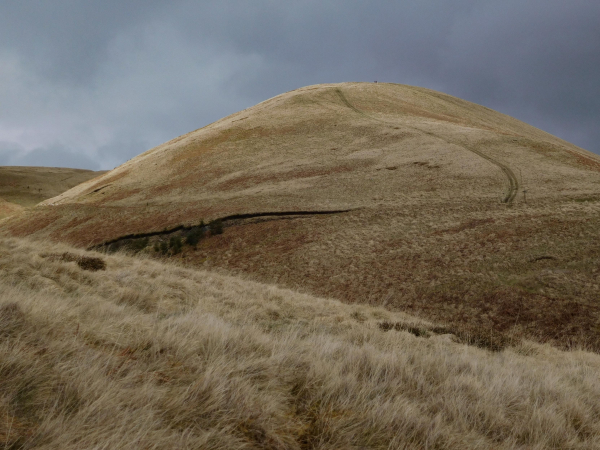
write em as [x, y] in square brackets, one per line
[22, 187]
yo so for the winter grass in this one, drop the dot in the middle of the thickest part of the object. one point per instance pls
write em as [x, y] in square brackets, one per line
[148, 355]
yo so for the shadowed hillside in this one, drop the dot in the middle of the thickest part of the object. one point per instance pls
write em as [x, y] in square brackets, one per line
[371, 193]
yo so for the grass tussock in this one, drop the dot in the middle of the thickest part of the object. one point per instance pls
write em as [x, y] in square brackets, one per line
[91, 263]
[151, 355]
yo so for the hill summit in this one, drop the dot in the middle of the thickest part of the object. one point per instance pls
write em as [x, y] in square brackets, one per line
[324, 147]
[374, 193]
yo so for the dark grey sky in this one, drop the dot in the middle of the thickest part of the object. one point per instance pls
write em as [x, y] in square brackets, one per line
[91, 84]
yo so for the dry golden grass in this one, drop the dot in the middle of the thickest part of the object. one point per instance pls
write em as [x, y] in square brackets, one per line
[147, 354]
[526, 271]
[22, 187]
[440, 225]
[338, 146]
[8, 208]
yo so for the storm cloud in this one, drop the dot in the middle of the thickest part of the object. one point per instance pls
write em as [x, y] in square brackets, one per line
[92, 84]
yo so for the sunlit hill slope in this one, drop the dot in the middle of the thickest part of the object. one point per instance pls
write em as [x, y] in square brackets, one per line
[392, 195]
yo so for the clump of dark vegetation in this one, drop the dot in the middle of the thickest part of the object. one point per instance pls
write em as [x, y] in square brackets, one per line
[542, 258]
[167, 242]
[175, 244]
[194, 235]
[470, 336]
[164, 248]
[137, 245]
[216, 227]
[85, 262]
[398, 326]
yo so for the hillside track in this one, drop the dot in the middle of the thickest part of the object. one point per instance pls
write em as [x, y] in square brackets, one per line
[513, 182]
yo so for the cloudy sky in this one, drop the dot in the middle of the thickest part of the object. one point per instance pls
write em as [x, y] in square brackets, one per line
[90, 84]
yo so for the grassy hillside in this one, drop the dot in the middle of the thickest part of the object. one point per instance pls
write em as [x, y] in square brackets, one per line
[379, 147]
[8, 208]
[102, 351]
[379, 194]
[22, 187]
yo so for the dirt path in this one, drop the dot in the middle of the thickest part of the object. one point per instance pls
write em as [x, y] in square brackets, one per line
[513, 183]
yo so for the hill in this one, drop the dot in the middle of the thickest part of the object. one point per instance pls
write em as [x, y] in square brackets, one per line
[383, 194]
[105, 351]
[22, 187]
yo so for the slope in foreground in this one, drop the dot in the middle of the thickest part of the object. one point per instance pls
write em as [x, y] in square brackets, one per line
[146, 354]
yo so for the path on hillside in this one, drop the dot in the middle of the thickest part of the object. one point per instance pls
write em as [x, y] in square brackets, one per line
[513, 183]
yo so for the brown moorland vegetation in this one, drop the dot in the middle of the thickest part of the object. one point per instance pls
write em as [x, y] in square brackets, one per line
[136, 353]
[453, 212]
